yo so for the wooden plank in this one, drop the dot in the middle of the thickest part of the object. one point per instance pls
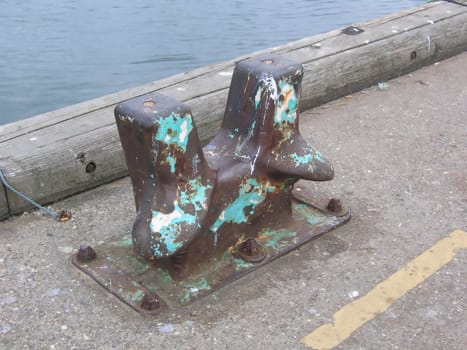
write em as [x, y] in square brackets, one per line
[178, 86]
[207, 81]
[46, 159]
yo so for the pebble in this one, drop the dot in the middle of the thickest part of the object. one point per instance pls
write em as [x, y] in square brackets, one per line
[52, 293]
[4, 329]
[167, 328]
[8, 300]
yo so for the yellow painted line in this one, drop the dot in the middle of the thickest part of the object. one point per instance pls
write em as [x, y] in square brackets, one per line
[355, 314]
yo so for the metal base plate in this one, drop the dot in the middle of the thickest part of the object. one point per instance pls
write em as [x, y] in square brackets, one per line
[129, 277]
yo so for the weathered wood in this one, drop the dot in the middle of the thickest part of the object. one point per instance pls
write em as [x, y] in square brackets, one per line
[178, 86]
[46, 156]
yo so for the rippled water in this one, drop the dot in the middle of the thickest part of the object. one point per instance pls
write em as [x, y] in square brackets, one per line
[55, 53]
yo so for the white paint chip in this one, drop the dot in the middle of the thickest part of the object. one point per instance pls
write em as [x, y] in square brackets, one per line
[33, 139]
[226, 74]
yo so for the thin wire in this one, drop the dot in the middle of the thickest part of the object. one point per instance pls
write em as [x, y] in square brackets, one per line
[27, 199]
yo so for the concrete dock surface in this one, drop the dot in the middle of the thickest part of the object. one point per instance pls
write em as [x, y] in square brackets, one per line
[400, 155]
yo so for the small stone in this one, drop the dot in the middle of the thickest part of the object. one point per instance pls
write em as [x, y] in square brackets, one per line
[52, 293]
[5, 329]
[313, 311]
[166, 328]
[10, 299]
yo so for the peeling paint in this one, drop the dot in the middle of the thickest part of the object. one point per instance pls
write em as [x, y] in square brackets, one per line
[241, 264]
[286, 108]
[195, 194]
[135, 296]
[307, 158]
[168, 227]
[193, 287]
[312, 218]
[175, 130]
[274, 237]
[251, 194]
[266, 83]
[127, 118]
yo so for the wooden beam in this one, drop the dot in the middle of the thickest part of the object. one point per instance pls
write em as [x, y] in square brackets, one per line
[46, 156]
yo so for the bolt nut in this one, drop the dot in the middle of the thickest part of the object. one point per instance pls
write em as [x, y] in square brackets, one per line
[249, 247]
[150, 302]
[85, 253]
[335, 206]
[250, 250]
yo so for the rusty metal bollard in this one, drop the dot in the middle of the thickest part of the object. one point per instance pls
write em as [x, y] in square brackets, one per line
[206, 216]
[193, 204]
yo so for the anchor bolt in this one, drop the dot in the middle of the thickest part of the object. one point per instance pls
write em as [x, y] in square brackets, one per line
[250, 250]
[85, 253]
[150, 302]
[335, 205]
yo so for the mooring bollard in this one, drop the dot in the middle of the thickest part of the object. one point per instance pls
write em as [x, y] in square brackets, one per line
[207, 215]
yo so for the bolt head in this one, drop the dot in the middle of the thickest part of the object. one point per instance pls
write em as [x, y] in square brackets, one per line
[335, 205]
[250, 250]
[249, 247]
[150, 302]
[85, 253]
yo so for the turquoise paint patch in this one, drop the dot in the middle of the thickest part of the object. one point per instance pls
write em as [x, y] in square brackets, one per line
[286, 110]
[311, 217]
[170, 159]
[275, 236]
[307, 157]
[250, 195]
[195, 194]
[136, 296]
[175, 130]
[168, 226]
[193, 287]
[241, 264]
[300, 160]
